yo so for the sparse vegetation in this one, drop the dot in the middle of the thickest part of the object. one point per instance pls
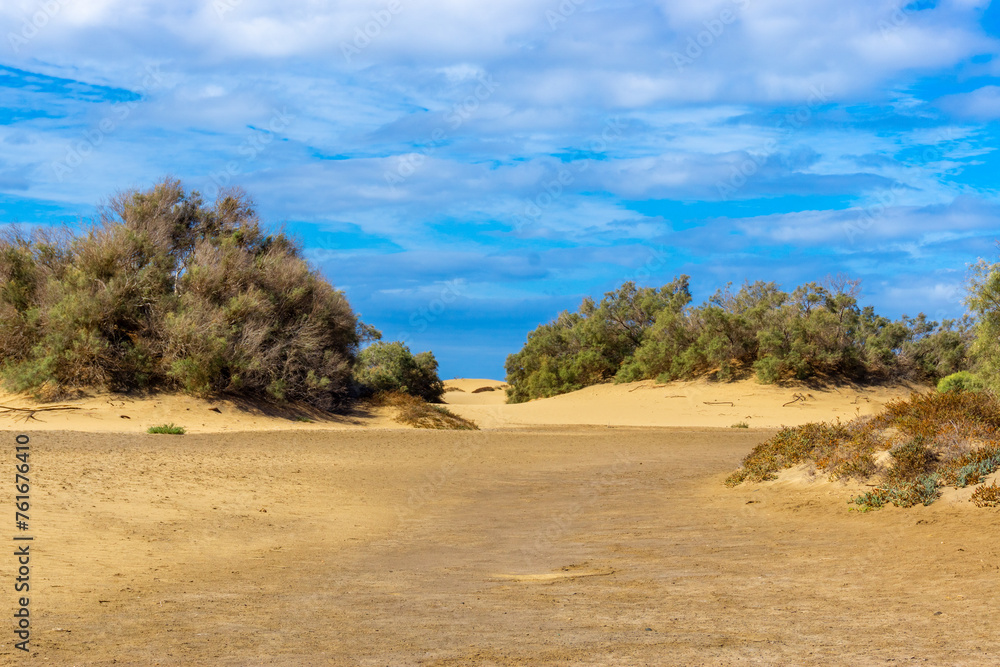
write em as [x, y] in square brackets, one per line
[415, 411]
[740, 425]
[759, 330]
[986, 496]
[933, 440]
[166, 429]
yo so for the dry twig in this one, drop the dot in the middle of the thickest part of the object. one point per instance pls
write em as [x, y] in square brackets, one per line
[29, 413]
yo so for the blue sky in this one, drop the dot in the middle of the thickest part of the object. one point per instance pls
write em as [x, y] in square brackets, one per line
[464, 171]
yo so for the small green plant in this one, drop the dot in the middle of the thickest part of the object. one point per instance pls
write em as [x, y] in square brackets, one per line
[166, 429]
[740, 425]
[304, 420]
[961, 381]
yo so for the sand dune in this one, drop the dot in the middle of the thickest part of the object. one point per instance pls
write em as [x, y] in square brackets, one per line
[105, 413]
[697, 403]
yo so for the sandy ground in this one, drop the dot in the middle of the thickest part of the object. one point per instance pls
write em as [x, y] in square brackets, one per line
[118, 413]
[696, 403]
[532, 546]
[692, 403]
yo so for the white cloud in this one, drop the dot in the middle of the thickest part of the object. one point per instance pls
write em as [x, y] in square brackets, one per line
[981, 104]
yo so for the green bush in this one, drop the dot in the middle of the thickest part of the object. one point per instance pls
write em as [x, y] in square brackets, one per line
[391, 367]
[815, 331]
[165, 291]
[166, 429]
[961, 381]
[590, 346]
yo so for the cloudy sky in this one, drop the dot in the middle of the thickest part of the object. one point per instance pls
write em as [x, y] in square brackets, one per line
[464, 171]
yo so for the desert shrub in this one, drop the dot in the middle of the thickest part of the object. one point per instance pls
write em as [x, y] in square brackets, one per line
[933, 440]
[590, 346]
[415, 411]
[391, 367]
[789, 447]
[910, 460]
[814, 331]
[961, 381]
[986, 496]
[165, 291]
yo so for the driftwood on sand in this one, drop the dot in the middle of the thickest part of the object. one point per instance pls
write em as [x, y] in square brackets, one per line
[29, 413]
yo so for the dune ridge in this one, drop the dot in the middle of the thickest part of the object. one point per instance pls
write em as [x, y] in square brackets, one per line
[694, 403]
[697, 403]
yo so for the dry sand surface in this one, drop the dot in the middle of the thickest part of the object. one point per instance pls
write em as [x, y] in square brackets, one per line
[540, 545]
[693, 403]
[116, 413]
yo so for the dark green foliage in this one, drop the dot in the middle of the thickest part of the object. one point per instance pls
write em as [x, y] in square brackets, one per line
[165, 291]
[391, 367]
[760, 330]
[591, 346]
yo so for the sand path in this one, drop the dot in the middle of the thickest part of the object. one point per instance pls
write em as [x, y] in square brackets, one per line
[548, 546]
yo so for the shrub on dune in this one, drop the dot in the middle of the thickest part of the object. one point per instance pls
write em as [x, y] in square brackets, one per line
[758, 330]
[165, 291]
[391, 368]
[933, 440]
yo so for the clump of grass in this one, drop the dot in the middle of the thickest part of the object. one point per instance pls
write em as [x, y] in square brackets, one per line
[482, 389]
[415, 411]
[740, 425]
[791, 446]
[166, 429]
[933, 441]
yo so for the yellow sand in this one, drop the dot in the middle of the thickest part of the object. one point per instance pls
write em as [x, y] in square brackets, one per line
[692, 403]
[697, 403]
